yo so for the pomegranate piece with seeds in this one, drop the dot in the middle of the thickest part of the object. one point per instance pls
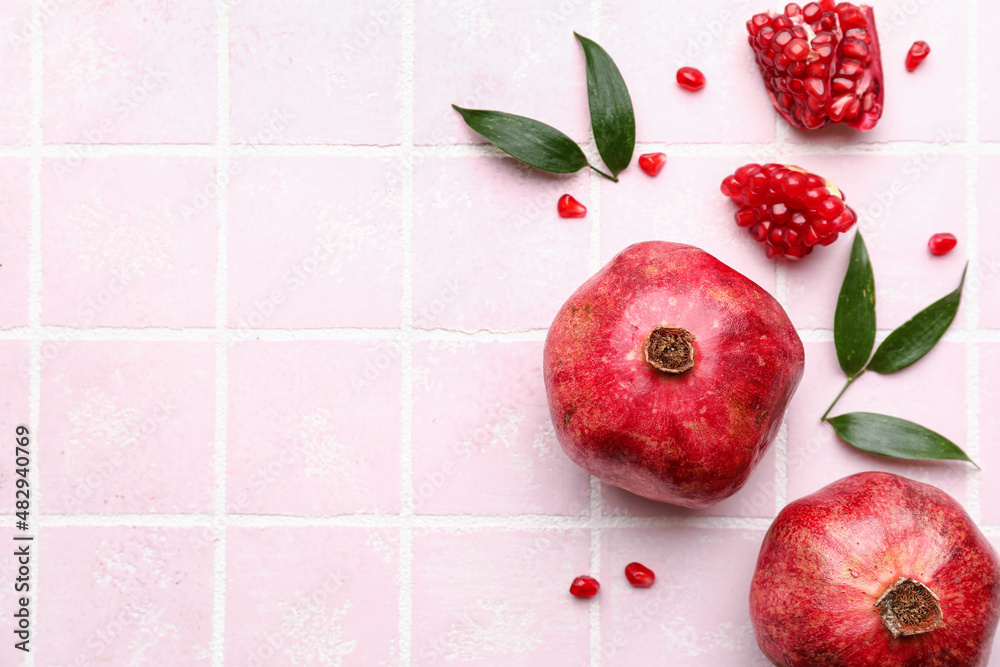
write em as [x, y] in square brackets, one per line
[942, 244]
[639, 575]
[788, 209]
[570, 207]
[916, 55]
[690, 78]
[584, 587]
[821, 63]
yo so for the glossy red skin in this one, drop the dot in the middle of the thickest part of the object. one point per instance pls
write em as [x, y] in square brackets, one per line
[690, 439]
[828, 557]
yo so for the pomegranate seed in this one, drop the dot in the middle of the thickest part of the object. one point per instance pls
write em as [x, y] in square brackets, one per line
[690, 78]
[639, 575]
[584, 587]
[571, 208]
[821, 63]
[652, 163]
[942, 244]
[916, 55]
[792, 213]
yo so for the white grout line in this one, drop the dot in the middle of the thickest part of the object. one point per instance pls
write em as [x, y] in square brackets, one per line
[407, 119]
[972, 442]
[222, 166]
[35, 275]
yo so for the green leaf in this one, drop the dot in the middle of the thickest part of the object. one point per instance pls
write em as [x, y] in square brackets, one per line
[854, 319]
[919, 335]
[611, 113]
[534, 143]
[891, 436]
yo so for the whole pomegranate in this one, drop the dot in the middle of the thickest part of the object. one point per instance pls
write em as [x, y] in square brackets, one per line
[876, 569]
[668, 373]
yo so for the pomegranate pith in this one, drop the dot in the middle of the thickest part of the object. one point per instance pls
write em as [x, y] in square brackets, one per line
[788, 209]
[570, 207]
[639, 575]
[667, 374]
[690, 78]
[584, 587]
[916, 55]
[652, 163]
[875, 570]
[942, 244]
[821, 63]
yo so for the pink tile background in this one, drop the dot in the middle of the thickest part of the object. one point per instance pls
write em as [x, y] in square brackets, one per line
[120, 418]
[129, 242]
[490, 250]
[483, 442]
[988, 271]
[148, 596]
[14, 356]
[337, 605]
[326, 350]
[310, 433]
[498, 597]
[114, 73]
[692, 565]
[15, 222]
[541, 75]
[332, 69]
[15, 54]
[327, 252]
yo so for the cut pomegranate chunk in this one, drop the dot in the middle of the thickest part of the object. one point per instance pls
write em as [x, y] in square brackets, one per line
[821, 63]
[788, 209]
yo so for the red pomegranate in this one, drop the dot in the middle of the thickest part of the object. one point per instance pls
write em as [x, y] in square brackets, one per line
[821, 63]
[668, 373]
[876, 570]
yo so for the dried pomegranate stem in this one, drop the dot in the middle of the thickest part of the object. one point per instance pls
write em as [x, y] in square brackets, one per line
[908, 607]
[607, 176]
[670, 349]
[849, 381]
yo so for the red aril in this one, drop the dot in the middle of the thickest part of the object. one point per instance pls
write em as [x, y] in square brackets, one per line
[571, 208]
[639, 575]
[875, 570]
[584, 587]
[652, 163]
[916, 55]
[690, 78]
[942, 244]
[788, 209]
[821, 63]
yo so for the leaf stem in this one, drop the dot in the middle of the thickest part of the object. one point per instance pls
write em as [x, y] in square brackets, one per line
[849, 381]
[607, 176]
